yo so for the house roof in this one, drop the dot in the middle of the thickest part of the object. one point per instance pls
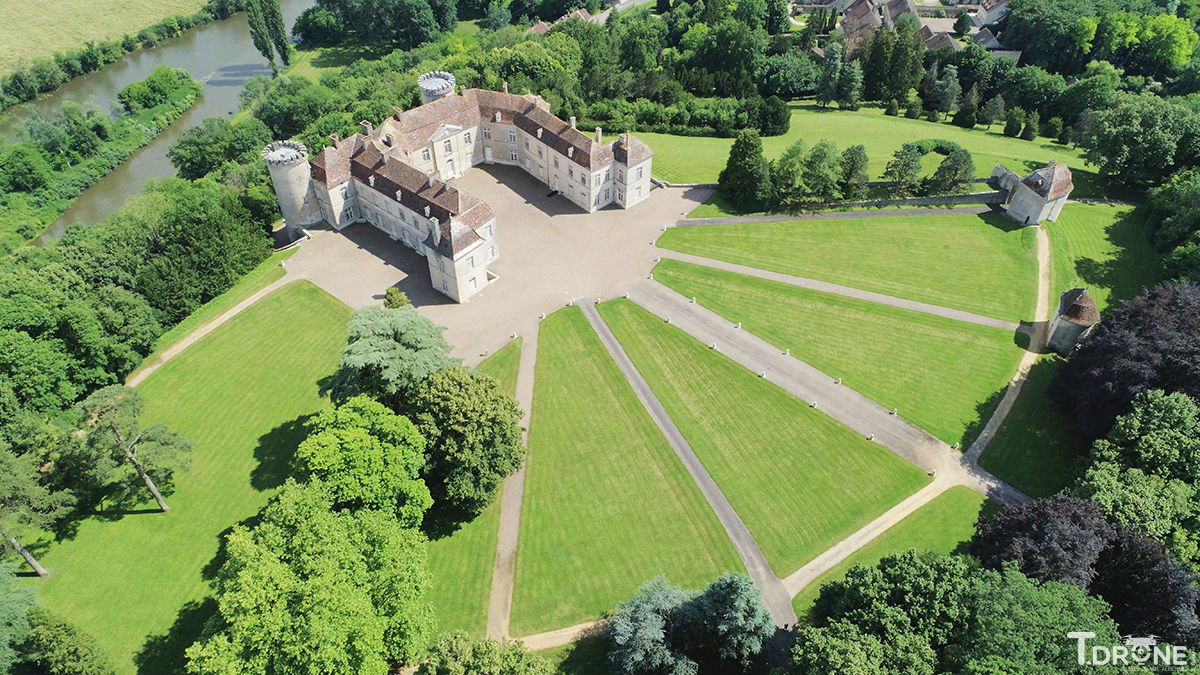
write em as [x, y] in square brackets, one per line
[538, 28]
[630, 150]
[984, 36]
[859, 15]
[1078, 307]
[897, 7]
[1051, 181]
[941, 41]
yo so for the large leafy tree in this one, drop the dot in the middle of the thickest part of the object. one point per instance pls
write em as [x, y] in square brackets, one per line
[1141, 138]
[57, 647]
[924, 614]
[26, 502]
[390, 352]
[308, 590]
[745, 180]
[473, 434]
[664, 629]
[366, 456]
[1150, 342]
[15, 603]
[459, 654]
[120, 453]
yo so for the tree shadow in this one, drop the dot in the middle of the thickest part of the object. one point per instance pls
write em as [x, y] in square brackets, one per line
[442, 520]
[164, 653]
[343, 55]
[588, 655]
[276, 453]
[1133, 265]
[983, 412]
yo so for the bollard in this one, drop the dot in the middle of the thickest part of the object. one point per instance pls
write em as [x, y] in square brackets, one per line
[838, 381]
[668, 319]
[693, 299]
[514, 335]
[893, 412]
[871, 437]
[737, 325]
[813, 404]
[713, 346]
[485, 353]
[658, 258]
[650, 276]
[542, 315]
[762, 373]
[787, 352]
[626, 294]
[955, 446]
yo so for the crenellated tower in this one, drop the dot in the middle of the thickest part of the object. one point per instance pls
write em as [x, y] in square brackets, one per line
[288, 163]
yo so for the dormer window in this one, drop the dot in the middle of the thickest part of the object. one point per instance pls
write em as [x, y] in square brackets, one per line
[425, 154]
[539, 134]
[497, 115]
[570, 153]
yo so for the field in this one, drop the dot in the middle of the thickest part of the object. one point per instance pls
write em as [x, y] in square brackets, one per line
[982, 264]
[241, 395]
[687, 159]
[1104, 248]
[944, 525]
[799, 480]
[943, 378]
[42, 30]
[607, 503]
[462, 562]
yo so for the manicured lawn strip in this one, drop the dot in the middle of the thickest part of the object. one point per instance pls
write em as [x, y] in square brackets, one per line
[799, 480]
[607, 503]
[685, 159]
[1034, 449]
[945, 376]
[267, 272]
[462, 562]
[944, 525]
[982, 264]
[241, 395]
[1109, 252]
[34, 29]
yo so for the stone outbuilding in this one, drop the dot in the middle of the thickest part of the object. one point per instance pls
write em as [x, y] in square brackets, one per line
[1036, 197]
[1073, 320]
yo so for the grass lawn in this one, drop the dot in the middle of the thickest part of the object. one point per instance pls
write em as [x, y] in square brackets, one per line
[607, 503]
[1034, 449]
[241, 395]
[588, 656]
[35, 29]
[462, 562]
[947, 379]
[1104, 248]
[982, 264]
[944, 525]
[799, 480]
[258, 278]
[687, 159]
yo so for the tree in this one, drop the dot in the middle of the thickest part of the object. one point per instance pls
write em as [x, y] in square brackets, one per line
[459, 653]
[850, 86]
[753, 13]
[1146, 343]
[57, 647]
[276, 32]
[777, 16]
[775, 118]
[831, 75]
[26, 503]
[893, 109]
[1032, 126]
[1141, 138]
[956, 170]
[24, 169]
[260, 33]
[838, 647]
[319, 26]
[205, 147]
[665, 629]
[473, 433]
[114, 438]
[822, 172]
[1173, 208]
[966, 116]
[394, 298]
[498, 16]
[947, 90]
[308, 590]
[390, 352]
[877, 66]
[745, 181]
[366, 456]
[787, 176]
[15, 602]
[1014, 120]
[962, 25]
[854, 172]
[904, 169]
[991, 112]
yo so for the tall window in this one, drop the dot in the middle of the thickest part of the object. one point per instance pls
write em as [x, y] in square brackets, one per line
[487, 133]
[556, 162]
[471, 263]
[512, 137]
[597, 180]
[640, 172]
[570, 172]
[539, 151]
[446, 146]
[607, 175]
[512, 156]
[467, 138]
[425, 154]
[526, 143]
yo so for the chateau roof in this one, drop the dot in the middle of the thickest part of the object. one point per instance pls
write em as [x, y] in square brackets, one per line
[1051, 181]
[1078, 307]
[630, 150]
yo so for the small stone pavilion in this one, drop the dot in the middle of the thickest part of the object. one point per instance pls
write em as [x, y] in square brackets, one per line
[1036, 197]
[1073, 320]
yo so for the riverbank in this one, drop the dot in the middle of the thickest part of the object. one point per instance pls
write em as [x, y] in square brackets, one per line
[53, 172]
[42, 52]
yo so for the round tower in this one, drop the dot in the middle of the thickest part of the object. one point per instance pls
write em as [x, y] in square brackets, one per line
[434, 85]
[288, 163]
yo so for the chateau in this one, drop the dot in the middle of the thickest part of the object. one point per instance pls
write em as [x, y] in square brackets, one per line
[399, 176]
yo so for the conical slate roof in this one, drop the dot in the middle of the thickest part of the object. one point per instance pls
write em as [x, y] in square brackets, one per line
[1078, 307]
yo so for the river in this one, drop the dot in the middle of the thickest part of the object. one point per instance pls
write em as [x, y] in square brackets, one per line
[219, 53]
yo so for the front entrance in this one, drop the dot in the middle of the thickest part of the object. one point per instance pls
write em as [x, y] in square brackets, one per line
[487, 155]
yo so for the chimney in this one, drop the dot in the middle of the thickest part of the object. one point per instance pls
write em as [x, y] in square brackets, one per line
[497, 115]
[572, 121]
[462, 90]
[334, 138]
[437, 231]
[397, 114]
[367, 128]
[506, 86]
[599, 135]
[431, 180]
